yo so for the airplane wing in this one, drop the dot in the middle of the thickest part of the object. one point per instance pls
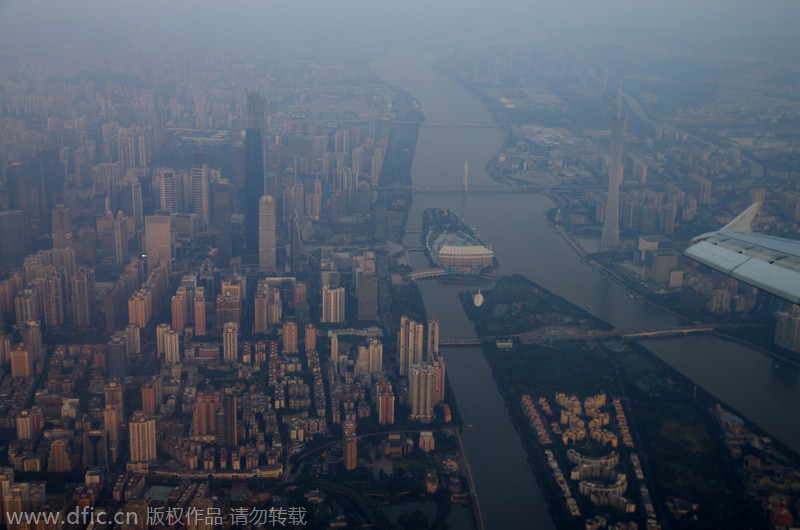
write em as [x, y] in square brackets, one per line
[766, 262]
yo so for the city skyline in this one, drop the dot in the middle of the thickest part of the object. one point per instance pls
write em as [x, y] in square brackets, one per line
[241, 253]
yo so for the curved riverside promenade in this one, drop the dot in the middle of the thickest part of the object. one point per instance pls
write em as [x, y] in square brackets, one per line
[476, 505]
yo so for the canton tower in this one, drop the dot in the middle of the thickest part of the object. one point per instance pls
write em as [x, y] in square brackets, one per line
[610, 237]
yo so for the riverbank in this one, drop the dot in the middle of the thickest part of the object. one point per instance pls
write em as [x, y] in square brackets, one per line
[631, 286]
[674, 438]
[514, 224]
[633, 291]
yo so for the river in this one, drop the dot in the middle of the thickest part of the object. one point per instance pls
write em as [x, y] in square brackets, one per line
[513, 224]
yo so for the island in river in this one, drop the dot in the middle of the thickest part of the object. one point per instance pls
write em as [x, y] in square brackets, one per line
[453, 245]
[617, 436]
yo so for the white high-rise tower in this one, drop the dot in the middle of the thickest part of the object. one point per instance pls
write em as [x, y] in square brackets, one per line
[610, 237]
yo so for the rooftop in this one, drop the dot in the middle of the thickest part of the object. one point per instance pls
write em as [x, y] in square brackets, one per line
[465, 250]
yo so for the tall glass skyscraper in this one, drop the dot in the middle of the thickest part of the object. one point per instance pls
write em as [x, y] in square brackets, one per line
[610, 236]
[253, 185]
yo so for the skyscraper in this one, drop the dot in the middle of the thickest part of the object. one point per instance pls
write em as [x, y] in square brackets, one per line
[112, 417]
[787, 329]
[61, 227]
[290, 337]
[350, 444]
[120, 239]
[113, 394]
[200, 311]
[409, 344]
[237, 177]
[133, 339]
[54, 298]
[201, 199]
[149, 399]
[204, 415]
[311, 338]
[362, 362]
[261, 323]
[385, 403]
[610, 236]
[82, 296]
[254, 185]
[266, 235]
[375, 349]
[27, 305]
[51, 184]
[334, 351]
[95, 448]
[158, 239]
[433, 339]
[227, 435]
[221, 211]
[230, 342]
[420, 390]
[14, 241]
[17, 191]
[32, 337]
[21, 361]
[333, 305]
[140, 308]
[295, 243]
[58, 461]
[161, 332]
[256, 112]
[168, 191]
[116, 359]
[130, 200]
[438, 380]
[179, 306]
[142, 439]
[367, 294]
[172, 348]
[228, 310]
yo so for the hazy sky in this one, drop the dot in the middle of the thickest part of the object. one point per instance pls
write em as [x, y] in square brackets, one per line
[281, 24]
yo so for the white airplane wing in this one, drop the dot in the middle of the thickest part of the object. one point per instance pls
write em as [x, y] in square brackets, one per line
[766, 262]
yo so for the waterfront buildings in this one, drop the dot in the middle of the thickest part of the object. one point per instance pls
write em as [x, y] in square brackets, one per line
[787, 330]
[410, 340]
[421, 381]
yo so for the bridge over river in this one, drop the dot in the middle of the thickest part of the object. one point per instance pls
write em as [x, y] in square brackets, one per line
[554, 333]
